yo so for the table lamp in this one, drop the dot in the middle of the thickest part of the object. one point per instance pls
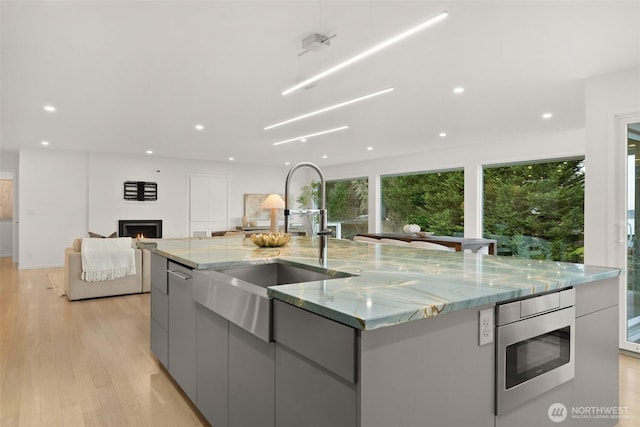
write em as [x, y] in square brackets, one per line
[273, 202]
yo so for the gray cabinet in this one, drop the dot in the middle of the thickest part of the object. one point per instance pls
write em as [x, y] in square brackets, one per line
[235, 373]
[251, 380]
[596, 381]
[315, 370]
[159, 309]
[182, 328]
[311, 396]
[212, 366]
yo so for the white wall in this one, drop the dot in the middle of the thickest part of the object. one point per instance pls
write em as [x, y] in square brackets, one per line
[65, 194]
[607, 96]
[471, 158]
[53, 205]
[108, 172]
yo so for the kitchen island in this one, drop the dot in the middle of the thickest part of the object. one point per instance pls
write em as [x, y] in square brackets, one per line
[396, 343]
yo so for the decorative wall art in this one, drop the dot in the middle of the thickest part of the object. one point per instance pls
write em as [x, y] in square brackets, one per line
[253, 210]
[141, 191]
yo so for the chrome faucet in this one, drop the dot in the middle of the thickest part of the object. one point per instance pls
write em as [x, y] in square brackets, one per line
[324, 232]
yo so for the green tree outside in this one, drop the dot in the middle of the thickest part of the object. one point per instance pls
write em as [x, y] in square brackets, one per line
[536, 210]
[348, 203]
[434, 201]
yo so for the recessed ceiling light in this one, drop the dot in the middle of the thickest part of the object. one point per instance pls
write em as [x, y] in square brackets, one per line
[287, 163]
[199, 127]
[303, 140]
[49, 108]
[231, 158]
[458, 89]
[332, 107]
[325, 156]
[45, 143]
[369, 148]
[388, 42]
[442, 134]
[149, 152]
[547, 116]
[300, 138]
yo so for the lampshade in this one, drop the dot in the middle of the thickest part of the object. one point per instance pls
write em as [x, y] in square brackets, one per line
[273, 201]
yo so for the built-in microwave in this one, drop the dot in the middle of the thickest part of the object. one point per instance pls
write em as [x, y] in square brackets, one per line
[535, 347]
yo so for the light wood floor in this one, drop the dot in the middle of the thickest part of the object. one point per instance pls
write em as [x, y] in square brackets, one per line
[83, 363]
[88, 363]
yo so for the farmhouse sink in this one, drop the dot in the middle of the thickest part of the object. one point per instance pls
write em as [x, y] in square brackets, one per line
[279, 273]
[239, 293]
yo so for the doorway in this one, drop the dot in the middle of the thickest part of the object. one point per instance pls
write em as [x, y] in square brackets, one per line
[630, 298]
[7, 213]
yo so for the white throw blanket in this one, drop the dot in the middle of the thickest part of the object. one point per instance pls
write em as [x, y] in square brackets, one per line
[107, 259]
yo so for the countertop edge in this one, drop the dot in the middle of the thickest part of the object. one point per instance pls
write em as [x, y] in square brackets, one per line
[397, 317]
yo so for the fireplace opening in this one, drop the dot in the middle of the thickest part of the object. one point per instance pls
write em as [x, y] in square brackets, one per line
[148, 228]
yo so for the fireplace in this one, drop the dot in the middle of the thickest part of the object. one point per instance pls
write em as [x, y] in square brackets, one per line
[149, 228]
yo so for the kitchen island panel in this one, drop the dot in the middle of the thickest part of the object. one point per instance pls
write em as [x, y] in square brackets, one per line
[444, 377]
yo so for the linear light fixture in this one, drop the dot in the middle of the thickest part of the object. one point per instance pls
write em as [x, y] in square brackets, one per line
[332, 107]
[368, 52]
[324, 132]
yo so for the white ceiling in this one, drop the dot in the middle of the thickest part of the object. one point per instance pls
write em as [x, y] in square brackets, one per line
[128, 76]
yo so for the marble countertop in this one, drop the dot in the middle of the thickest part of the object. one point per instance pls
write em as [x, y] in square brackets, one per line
[391, 284]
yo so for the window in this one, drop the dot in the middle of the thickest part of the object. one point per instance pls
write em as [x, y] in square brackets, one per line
[433, 200]
[348, 207]
[536, 210]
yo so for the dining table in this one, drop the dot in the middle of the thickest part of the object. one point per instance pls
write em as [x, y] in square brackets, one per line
[460, 244]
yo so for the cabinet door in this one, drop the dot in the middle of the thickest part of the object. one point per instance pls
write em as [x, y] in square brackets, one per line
[159, 309]
[208, 209]
[251, 379]
[182, 329]
[315, 370]
[311, 396]
[212, 366]
[596, 381]
[159, 272]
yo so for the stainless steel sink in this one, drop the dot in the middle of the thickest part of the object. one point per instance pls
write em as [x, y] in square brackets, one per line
[278, 273]
[239, 293]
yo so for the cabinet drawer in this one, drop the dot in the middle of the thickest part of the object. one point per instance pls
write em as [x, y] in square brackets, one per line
[160, 308]
[328, 343]
[159, 272]
[160, 342]
[595, 296]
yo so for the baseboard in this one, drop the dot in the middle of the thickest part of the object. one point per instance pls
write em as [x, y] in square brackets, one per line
[629, 353]
[38, 267]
